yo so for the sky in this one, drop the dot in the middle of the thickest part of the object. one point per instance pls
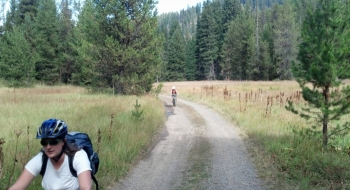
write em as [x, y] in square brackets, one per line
[165, 6]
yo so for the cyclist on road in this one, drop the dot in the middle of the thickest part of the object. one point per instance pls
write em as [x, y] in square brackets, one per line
[174, 93]
[52, 133]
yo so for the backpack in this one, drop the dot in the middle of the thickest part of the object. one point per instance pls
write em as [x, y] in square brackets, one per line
[81, 140]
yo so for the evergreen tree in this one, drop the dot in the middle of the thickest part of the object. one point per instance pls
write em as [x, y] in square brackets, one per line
[48, 67]
[227, 55]
[199, 65]
[231, 9]
[22, 14]
[264, 61]
[236, 47]
[176, 56]
[187, 21]
[267, 38]
[208, 41]
[17, 62]
[286, 35]
[191, 60]
[89, 37]
[257, 63]
[27, 8]
[218, 15]
[12, 16]
[323, 63]
[252, 67]
[300, 8]
[127, 45]
[66, 50]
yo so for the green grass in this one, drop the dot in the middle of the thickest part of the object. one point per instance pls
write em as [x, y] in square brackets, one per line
[122, 137]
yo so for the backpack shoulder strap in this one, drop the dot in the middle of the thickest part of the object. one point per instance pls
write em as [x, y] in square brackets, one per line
[95, 180]
[74, 173]
[71, 168]
[44, 163]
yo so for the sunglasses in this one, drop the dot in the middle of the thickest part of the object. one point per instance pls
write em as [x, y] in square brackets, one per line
[51, 142]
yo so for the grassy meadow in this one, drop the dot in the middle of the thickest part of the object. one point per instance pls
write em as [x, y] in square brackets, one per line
[118, 134]
[284, 158]
[285, 155]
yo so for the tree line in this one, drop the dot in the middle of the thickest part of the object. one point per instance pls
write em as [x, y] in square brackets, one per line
[303, 40]
[125, 46]
[233, 40]
[102, 45]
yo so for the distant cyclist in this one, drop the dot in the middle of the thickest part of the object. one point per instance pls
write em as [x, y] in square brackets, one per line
[52, 134]
[174, 93]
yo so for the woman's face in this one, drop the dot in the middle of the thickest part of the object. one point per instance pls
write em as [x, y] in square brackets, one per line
[52, 147]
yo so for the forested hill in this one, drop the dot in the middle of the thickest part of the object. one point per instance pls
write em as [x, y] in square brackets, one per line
[125, 46]
[231, 40]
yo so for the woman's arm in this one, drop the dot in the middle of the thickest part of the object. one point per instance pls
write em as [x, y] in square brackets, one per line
[23, 181]
[84, 179]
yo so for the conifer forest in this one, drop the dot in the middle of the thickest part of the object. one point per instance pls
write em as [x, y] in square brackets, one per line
[125, 45]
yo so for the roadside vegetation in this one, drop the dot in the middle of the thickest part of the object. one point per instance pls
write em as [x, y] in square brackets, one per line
[287, 155]
[305, 41]
[120, 127]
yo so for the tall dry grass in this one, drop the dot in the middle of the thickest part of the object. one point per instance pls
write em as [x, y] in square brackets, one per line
[117, 136]
[285, 155]
[284, 158]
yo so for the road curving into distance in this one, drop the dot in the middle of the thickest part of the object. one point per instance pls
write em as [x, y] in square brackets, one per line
[197, 149]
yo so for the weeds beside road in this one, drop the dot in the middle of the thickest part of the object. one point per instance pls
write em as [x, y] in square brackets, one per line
[286, 155]
[119, 126]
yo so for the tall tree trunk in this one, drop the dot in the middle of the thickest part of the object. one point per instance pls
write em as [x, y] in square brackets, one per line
[326, 116]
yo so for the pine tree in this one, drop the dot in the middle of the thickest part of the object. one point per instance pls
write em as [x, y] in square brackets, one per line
[236, 47]
[286, 36]
[17, 62]
[27, 8]
[264, 61]
[87, 33]
[12, 16]
[267, 38]
[323, 57]
[176, 56]
[66, 50]
[252, 67]
[191, 60]
[127, 45]
[22, 14]
[48, 67]
[231, 9]
[208, 36]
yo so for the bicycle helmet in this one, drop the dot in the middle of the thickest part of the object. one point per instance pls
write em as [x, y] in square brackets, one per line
[52, 128]
[173, 88]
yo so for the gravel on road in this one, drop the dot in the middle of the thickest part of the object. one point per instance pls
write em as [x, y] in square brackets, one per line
[197, 149]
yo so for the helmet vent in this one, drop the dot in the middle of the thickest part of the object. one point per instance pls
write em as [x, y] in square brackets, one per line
[52, 128]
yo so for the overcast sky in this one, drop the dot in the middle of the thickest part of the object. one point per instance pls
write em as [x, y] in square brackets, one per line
[165, 6]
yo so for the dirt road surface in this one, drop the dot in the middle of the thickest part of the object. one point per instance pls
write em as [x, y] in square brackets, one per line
[197, 149]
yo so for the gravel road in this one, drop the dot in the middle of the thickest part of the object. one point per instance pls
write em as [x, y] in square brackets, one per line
[197, 149]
